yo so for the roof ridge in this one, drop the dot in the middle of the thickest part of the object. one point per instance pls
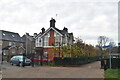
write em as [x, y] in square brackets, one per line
[9, 31]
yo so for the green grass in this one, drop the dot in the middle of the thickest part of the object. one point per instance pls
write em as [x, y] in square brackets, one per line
[112, 73]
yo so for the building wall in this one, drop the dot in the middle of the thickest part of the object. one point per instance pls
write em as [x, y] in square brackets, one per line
[49, 52]
[13, 50]
[54, 39]
[51, 38]
[0, 42]
[58, 39]
[5, 43]
[0, 50]
[28, 45]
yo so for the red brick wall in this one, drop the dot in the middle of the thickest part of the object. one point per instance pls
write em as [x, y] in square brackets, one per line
[50, 54]
[51, 42]
[51, 39]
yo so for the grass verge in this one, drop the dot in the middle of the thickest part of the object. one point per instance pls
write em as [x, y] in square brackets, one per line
[112, 74]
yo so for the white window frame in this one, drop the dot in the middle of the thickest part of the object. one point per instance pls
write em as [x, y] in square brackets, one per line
[58, 39]
[10, 43]
[46, 40]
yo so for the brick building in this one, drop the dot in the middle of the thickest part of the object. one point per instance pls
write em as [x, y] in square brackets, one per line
[29, 43]
[53, 37]
[11, 44]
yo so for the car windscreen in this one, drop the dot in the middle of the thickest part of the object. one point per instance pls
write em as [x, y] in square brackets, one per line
[21, 57]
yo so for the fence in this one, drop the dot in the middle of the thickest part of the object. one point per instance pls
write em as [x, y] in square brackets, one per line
[115, 63]
[74, 61]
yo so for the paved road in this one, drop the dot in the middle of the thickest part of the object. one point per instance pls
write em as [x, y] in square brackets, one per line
[0, 72]
[0, 75]
[91, 70]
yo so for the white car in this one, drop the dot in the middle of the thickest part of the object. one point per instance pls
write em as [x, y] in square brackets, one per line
[18, 60]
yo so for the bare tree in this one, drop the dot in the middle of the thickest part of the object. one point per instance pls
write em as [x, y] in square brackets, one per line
[102, 40]
[112, 43]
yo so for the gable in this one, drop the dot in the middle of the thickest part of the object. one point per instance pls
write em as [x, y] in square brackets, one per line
[47, 31]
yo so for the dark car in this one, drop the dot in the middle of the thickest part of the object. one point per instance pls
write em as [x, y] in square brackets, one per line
[18, 60]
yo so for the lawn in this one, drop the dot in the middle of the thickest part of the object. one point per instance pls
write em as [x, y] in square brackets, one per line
[112, 73]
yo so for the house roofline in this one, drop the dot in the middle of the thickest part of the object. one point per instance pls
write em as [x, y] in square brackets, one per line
[48, 31]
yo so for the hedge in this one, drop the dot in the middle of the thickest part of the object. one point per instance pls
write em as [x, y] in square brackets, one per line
[74, 61]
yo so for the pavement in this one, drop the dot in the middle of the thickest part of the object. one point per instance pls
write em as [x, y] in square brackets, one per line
[91, 70]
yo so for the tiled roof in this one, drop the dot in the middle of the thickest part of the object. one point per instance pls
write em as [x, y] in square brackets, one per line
[30, 37]
[63, 32]
[10, 36]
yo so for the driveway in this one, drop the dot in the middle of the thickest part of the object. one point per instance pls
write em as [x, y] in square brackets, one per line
[91, 70]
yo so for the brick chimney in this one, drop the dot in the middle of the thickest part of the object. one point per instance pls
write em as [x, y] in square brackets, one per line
[43, 30]
[35, 34]
[65, 29]
[52, 22]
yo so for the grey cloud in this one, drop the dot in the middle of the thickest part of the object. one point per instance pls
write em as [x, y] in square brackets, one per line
[84, 18]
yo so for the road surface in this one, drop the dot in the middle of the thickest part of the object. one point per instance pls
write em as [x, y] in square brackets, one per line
[91, 70]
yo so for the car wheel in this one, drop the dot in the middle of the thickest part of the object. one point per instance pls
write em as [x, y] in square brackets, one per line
[11, 63]
[20, 64]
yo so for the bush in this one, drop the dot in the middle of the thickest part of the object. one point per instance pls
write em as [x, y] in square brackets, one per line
[74, 61]
[51, 64]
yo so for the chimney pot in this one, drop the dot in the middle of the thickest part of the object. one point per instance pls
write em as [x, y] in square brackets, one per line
[52, 22]
[43, 30]
[35, 34]
[66, 29]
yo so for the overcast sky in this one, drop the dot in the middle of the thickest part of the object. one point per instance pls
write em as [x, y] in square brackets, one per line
[87, 19]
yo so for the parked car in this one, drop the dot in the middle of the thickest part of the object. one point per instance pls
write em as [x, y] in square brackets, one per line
[38, 58]
[18, 60]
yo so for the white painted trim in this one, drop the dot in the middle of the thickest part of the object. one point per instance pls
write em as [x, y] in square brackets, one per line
[50, 46]
[44, 33]
[22, 47]
[47, 32]
[61, 40]
[56, 31]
